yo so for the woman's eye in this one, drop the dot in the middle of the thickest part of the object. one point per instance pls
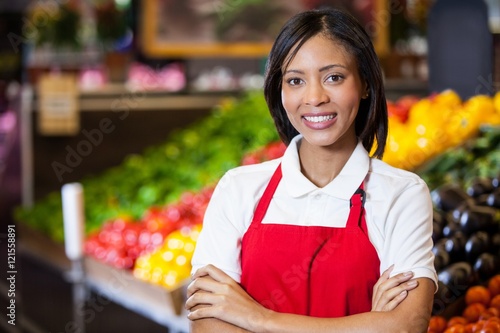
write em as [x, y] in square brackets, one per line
[294, 81]
[335, 78]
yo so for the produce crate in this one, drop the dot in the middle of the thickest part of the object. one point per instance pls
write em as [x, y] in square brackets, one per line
[165, 307]
[152, 301]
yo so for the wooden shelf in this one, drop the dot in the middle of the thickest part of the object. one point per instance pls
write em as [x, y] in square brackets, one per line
[120, 286]
[118, 97]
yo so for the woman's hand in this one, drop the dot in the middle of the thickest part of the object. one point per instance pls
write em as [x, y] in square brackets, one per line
[389, 292]
[223, 298]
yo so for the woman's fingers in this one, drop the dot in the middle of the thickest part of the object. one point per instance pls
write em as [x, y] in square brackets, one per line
[388, 299]
[392, 304]
[213, 272]
[201, 312]
[214, 294]
[389, 292]
[201, 298]
[205, 283]
[205, 277]
[396, 280]
[206, 270]
[209, 283]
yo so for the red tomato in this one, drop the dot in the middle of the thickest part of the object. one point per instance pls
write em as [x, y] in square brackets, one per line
[437, 324]
[478, 294]
[473, 311]
[495, 302]
[494, 285]
[457, 320]
[456, 328]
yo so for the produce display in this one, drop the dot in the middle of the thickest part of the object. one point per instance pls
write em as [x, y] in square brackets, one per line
[480, 312]
[466, 236]
[169, 265]
[476, 158]
[120, 242]
[421, 129]
[190, 159]
[159, 246]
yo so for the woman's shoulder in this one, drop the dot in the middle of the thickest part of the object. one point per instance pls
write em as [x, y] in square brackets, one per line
[383, 171]
[254, 169]
[251, 175]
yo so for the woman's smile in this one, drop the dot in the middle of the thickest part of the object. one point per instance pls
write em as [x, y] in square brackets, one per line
[319, 121]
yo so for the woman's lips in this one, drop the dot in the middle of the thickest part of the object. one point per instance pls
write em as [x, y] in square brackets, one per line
[319, 121]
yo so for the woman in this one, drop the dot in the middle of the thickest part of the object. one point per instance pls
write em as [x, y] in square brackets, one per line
[297, 244]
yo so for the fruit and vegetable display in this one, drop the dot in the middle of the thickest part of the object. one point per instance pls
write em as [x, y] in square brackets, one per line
[190, 159]
[479, 311]
[422, 129]
[169, 265]
[466, 236]
[120, 241]
[195, 157]
[159, 246]
[145, 215]
[475, 158]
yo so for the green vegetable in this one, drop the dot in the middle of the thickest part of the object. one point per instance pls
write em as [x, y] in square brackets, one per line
[189, 159]
[478, 157]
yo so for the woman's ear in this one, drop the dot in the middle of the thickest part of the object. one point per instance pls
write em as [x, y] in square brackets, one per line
[366, 92]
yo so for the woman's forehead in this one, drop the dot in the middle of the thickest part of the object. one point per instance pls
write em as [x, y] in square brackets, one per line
[319, 45]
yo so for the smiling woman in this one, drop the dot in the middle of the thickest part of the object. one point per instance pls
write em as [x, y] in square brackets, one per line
[322, 100]
[326, 238]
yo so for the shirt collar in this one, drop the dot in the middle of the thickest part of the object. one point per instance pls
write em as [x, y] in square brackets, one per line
[342, 187]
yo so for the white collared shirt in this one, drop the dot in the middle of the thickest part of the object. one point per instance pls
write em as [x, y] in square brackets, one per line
[398, 210]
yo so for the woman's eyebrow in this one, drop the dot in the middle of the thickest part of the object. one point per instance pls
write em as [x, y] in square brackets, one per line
[328, 67]
[322, 69]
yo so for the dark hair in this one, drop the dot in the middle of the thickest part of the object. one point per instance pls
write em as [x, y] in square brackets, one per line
[371, 121]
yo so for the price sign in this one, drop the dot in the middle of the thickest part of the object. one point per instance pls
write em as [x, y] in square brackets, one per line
[58, 104]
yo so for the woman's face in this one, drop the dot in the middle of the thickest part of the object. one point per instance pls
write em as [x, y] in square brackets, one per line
[321, 92]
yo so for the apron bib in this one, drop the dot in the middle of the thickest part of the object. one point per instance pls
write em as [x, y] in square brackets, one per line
[309, 270]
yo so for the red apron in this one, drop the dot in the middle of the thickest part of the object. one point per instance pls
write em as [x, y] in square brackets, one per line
[309, 270]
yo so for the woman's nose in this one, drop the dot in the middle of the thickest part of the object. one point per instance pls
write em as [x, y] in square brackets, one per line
[315, 94]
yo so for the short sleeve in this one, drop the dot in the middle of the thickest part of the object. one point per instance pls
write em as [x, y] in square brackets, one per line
[408, 238]
[219, 242]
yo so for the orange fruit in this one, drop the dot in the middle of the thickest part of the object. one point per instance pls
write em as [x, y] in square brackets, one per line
[494, 284]
[457, 320]
[456, 328]
[489, 313]
[490, 328]
[478, 294]
[479, 325]
[492, 325]
[495, 302]
[494, 311]
[437, 324]
[473, 311]
[470, 328]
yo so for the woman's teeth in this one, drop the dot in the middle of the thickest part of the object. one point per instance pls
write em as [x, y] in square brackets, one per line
[318, 119]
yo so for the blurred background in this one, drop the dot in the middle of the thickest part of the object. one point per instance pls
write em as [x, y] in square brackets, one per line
[147, 103]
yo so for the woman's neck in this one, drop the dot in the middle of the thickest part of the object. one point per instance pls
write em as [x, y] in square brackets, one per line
[322, 164]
